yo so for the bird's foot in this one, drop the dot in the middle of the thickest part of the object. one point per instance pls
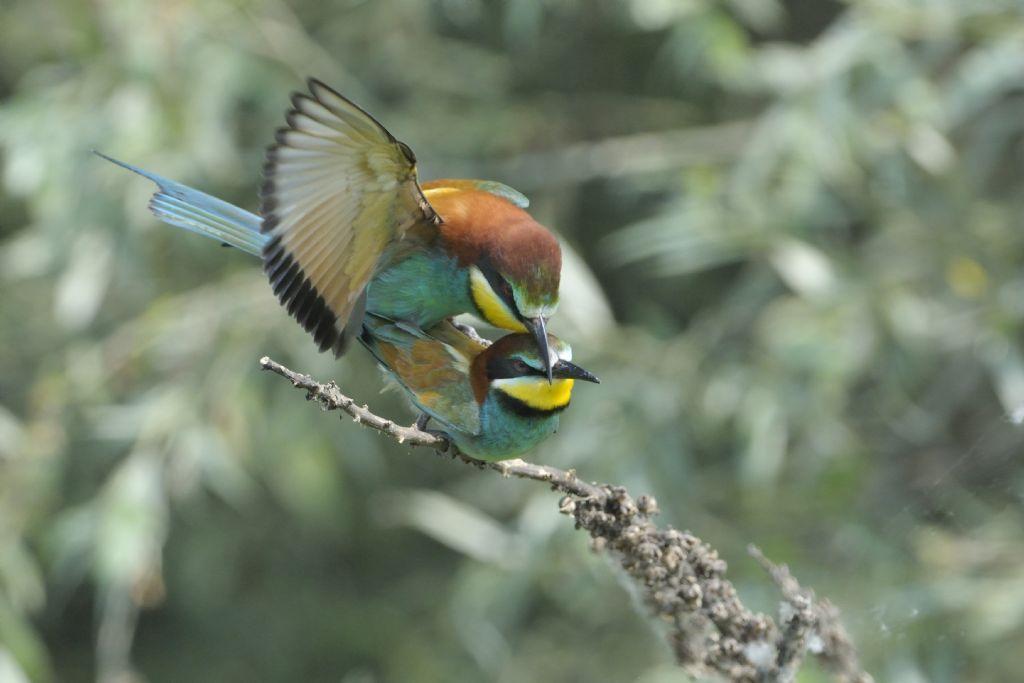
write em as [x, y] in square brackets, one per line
[470, 332]
[448, 446]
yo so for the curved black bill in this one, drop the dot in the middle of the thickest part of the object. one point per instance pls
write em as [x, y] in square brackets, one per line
[563, 369]
[539, 328]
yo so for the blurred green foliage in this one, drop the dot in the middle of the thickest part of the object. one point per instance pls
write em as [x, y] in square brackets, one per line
[805, 217]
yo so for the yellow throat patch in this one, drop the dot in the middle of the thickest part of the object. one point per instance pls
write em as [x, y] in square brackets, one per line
[536, 393]
[491, 306]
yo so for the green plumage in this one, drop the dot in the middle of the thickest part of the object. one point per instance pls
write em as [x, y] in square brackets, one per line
[436, 369]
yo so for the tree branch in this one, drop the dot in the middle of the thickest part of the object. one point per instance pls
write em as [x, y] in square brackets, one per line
[681, 577]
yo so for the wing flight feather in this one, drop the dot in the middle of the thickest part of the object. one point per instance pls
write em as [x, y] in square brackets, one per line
[433, 366]
[338, 190]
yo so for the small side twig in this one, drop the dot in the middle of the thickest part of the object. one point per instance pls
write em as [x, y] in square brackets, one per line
[810, 626]
[681, 577]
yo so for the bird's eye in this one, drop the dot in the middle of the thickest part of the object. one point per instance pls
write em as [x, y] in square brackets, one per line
[506, 288]
[521, 367]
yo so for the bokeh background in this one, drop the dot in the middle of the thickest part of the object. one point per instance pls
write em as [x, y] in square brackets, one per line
[795, 243]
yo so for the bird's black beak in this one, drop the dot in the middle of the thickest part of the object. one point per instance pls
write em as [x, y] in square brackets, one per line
[540, 332]
[563, 369]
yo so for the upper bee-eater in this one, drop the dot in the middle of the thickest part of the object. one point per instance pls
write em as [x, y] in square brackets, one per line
[346, 228]
[494, 402]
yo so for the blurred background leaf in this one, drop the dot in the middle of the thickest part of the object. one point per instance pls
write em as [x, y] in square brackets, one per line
[794, 244]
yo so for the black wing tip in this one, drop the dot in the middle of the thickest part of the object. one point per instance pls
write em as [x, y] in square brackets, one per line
[268, 204]
[271, 155]
[280, 136]
[270, 161]
[300, 298]
[268, 199]
[340, 345]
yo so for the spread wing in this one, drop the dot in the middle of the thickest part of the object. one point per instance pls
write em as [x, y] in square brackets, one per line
[338, 189]
[432, 367]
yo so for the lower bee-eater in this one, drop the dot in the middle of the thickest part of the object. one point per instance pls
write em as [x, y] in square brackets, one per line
[493, 401]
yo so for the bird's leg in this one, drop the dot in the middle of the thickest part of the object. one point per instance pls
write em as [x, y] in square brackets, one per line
[421, 422]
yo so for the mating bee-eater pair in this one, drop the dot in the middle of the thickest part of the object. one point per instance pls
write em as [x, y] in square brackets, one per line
[355, 246]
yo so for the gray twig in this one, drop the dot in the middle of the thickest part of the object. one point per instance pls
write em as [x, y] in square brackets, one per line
[682, 578]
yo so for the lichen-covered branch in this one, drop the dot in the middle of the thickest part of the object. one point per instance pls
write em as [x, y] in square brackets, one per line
[811, 624]
[682, 577]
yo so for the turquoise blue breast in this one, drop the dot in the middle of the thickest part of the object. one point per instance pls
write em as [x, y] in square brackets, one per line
[504, 433]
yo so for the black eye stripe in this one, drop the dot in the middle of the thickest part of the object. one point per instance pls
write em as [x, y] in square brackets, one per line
[500, 286]
[505, 368]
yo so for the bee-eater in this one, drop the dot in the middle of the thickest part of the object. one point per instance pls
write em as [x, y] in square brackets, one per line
[494, 402]
[346, 228]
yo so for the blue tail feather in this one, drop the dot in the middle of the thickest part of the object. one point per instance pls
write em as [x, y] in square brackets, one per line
[198, 212]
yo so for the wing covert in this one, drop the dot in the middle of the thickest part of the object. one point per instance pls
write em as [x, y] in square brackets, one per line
[433, 366]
